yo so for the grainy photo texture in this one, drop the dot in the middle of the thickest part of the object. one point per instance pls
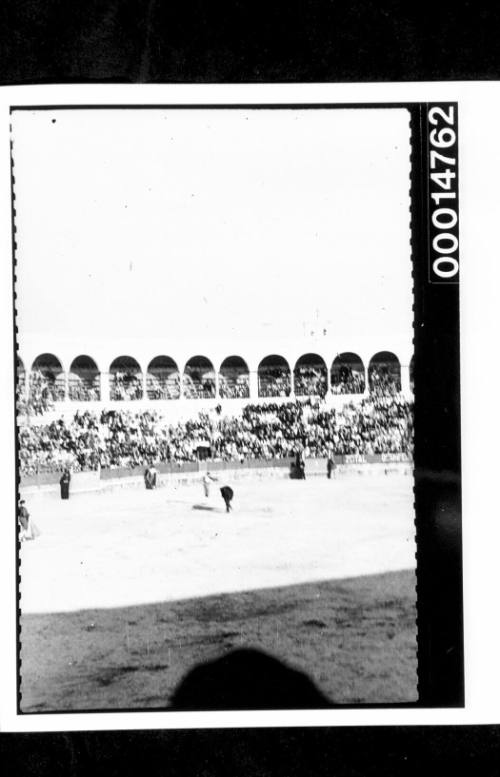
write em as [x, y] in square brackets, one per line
[214, 311]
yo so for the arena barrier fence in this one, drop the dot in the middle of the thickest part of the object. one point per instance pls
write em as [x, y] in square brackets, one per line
[187, 471]
[40, 479]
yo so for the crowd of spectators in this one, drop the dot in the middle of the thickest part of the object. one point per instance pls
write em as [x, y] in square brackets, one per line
[275, 382]
[59, 444]
[196, 386]
[46, 388]
[234, 386]
[378, 424]
[348, 381]
[383, 382]
[164, 387]
[41, 395]
[126, 385]
[83, 389]
[49, 385]
[310, 381]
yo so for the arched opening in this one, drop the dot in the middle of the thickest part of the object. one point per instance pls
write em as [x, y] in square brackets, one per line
[384, 373]
[198, 381]
[274, 377]
[234, 378]
[309, 376]
[125, 379]
[348, 374]
[47, 379]
[84, 380]
[163, 380]
[412, 374]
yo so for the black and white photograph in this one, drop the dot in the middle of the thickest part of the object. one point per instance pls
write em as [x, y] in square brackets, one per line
[249, 332]
[214, 326]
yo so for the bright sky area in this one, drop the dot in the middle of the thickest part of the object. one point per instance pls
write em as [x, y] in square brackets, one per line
[141, 222]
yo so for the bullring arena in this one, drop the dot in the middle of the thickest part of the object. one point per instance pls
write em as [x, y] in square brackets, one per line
[125, 590]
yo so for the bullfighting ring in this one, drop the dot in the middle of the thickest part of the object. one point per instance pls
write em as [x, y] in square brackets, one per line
[125, 590]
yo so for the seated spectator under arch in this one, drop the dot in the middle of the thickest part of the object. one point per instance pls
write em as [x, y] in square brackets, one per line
[384, 373]
[20, 375]
[84, 381]
[348, 374]
[47, 379]
[274, 378]
[163, 380]
[198, 380]
[309, 376]
[234, 378]
[21, 399]
[125, 379]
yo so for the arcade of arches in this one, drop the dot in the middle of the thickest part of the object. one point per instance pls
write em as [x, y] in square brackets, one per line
[198, 378]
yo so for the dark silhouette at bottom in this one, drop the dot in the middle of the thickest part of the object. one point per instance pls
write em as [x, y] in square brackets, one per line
[246, 679]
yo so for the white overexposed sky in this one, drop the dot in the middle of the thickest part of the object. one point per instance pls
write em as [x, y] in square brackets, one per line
[144, 222]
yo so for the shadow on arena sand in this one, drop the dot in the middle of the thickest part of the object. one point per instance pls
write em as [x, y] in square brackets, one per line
[340, 642]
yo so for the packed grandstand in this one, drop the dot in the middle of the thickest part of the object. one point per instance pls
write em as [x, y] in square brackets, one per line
[379, 421]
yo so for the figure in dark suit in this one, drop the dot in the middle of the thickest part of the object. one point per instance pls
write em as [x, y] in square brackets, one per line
[27, 529]
[151, 477]
[300, 465]
[24, 521]
[330, 467]
[64, 483]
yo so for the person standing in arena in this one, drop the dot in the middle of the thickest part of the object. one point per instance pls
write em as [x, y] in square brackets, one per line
[27, 529]
[151, 476]
[207, 480]
[64, 483]
[300, 465]
[330, 467]
[227, 495]
[23, 518]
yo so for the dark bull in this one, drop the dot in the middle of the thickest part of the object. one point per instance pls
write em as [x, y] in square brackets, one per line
[227, 495]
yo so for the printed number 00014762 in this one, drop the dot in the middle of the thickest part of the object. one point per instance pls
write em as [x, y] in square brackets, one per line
[443, 194]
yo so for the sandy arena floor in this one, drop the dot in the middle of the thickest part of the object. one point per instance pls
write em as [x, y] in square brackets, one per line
[133, 546]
